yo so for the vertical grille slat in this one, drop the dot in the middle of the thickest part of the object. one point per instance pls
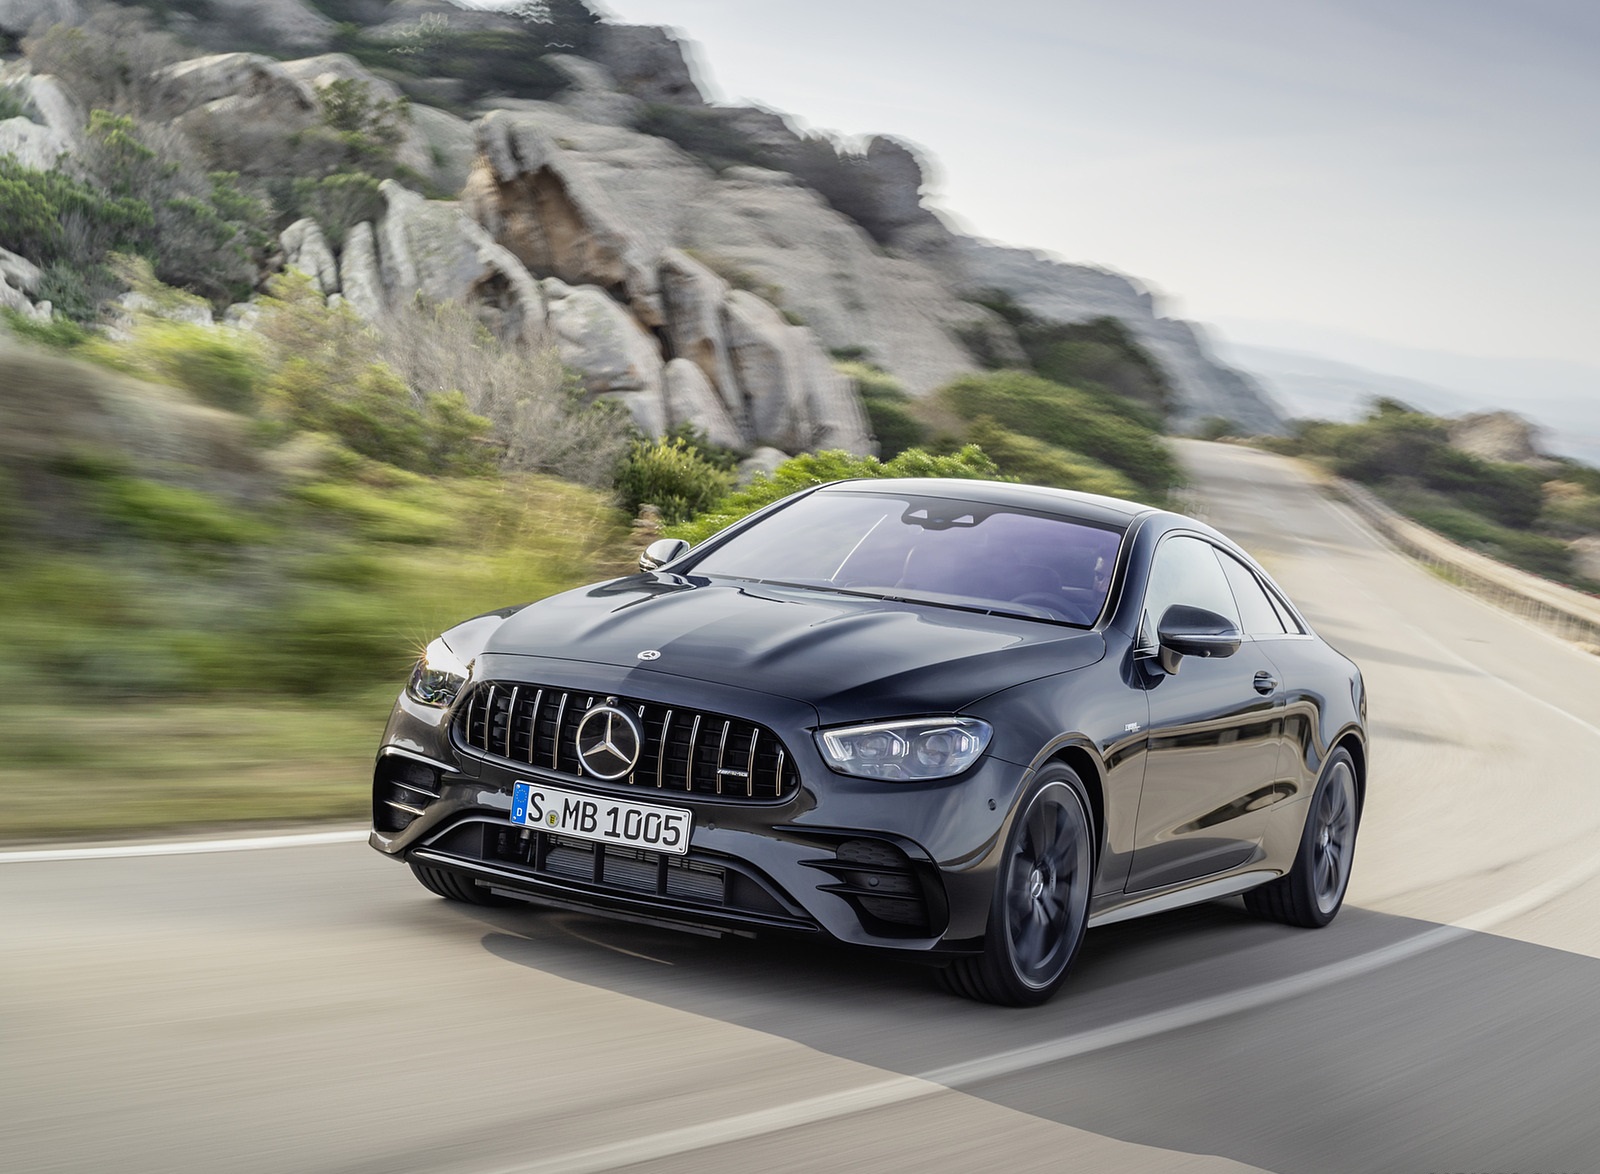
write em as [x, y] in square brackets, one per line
[682, 746]
[555, 742]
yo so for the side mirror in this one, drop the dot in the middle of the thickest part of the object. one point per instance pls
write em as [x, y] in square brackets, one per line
[661, 551]
[1194, 631]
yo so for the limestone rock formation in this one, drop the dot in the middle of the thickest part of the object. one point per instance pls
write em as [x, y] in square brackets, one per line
[615, 355]
[17, 17]
[449, 144]
[247, 85]
[1497, 436]
[690, 399]
[19, 272]
[692, 300]
[19, 277]
[649, 63]
[306, 249]
[591, 92]
[286, 24]
[829, 274]
[433, 248]
[53, 127]
[604, 205]
[1077, 293]
[360, 278]
[793, 397]
[437, 144]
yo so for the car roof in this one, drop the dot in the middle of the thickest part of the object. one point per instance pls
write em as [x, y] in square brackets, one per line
[1067, 503]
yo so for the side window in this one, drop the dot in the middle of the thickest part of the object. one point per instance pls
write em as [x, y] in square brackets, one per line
[1186, 571]
[1255, 606]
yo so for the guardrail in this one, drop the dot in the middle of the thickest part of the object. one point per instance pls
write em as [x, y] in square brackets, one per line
[1570, 614]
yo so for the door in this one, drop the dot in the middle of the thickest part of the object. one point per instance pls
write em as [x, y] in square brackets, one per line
[1215, 735]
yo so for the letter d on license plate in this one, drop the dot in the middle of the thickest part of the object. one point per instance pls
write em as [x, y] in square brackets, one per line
[599, 817]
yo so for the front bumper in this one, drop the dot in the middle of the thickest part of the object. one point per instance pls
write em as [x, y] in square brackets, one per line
[908, 867]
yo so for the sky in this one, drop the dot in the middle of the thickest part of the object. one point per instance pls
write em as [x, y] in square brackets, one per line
[1421, 174]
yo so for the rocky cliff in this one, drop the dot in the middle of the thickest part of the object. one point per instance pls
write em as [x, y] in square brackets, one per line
[689, 287]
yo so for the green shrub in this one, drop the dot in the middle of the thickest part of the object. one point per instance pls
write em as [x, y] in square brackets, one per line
[832, 465]
[336, 202]
[374, 415]
[59, 333]
[1067, 418]
[888, 408]
[672, 476]
[36, 208]
[13, 104]
[216, 365]
[174, 514]
[1039, 463]
[1571, 511]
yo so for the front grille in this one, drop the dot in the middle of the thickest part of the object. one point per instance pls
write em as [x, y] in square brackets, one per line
[689, 751]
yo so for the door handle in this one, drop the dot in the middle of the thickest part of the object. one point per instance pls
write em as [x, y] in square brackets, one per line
[1265, 682]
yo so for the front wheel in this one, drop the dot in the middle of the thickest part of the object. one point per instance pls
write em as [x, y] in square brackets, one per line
[1311, 892]
[1041, 899]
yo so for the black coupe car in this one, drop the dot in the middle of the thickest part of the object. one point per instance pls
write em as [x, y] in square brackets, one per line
[964, 720]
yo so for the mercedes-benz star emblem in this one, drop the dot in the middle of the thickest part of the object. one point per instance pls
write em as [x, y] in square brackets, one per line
[608, 742]
[650, 654]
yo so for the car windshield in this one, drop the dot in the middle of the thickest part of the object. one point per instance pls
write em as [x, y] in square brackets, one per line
[928, 549]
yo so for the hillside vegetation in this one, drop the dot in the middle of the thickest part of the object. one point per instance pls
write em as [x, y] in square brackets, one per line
[1521, 514]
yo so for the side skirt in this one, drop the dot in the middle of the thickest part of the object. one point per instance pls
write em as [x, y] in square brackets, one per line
[1177, 898]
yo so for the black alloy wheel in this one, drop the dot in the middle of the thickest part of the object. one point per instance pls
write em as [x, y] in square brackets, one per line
[1310, 893]
[1041, 900]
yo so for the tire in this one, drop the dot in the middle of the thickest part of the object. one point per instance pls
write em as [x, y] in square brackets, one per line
[1040, 907]
[453, 887]
[1311, 892]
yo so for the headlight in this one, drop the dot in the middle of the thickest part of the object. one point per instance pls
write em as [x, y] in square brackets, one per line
[921, 748]
[438, 677]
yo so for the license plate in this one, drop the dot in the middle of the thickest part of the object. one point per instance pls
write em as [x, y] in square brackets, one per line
[597, 817]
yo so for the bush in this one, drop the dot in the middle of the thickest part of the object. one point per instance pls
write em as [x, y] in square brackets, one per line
[543, 420]
[111, 61]
[216, 365]
[336, 202]
[59, 333]
[49, 217]
[894, 423]
[1039, 463]
[1067, 418]
[1099, 355]
[174, 514]
[672, 476]
[833, 465]
[13, 104]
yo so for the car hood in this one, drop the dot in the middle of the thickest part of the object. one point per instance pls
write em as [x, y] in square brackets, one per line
[849, 656]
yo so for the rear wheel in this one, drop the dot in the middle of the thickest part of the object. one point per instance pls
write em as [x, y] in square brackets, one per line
[1311, 892]
[454, 887]
[1041, 900]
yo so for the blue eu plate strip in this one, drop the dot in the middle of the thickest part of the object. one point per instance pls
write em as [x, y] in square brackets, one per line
[519, 803]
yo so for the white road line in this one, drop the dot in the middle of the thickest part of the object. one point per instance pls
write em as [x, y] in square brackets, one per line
[184, 847]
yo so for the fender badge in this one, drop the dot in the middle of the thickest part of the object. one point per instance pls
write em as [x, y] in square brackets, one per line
[649, 654]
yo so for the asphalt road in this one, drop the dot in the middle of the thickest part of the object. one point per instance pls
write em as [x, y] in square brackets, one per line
[310, 1008]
